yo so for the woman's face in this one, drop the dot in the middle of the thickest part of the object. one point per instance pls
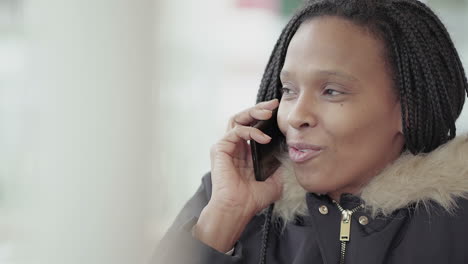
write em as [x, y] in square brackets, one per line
[339, 112]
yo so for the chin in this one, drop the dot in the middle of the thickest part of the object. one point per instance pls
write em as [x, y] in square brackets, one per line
[314, 183]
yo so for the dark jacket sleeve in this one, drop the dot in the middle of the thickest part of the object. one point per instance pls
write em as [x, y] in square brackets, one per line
[179, 246]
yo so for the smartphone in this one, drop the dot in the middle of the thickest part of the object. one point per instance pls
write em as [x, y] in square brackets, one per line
[263, 155]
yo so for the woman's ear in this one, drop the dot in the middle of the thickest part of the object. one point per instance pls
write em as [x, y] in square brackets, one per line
[398, 117]
[400, 124]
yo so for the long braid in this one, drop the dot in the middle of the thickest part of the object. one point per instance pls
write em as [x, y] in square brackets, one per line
[441, 72]
[450, 55]
[401, 70]
[446, 113]
[424, 85]
[439, 91]
[444, 64]
[266, 232]
[406, 93]
[449, 52]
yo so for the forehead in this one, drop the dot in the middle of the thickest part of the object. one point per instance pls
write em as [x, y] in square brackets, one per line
[337, 45]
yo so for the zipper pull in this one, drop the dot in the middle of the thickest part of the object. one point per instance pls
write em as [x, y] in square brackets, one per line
[345, 225]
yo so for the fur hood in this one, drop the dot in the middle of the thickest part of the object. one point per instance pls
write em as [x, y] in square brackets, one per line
[440, 176]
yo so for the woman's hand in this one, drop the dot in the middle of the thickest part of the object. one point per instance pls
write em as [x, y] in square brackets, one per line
[232, 173]
[236, 195]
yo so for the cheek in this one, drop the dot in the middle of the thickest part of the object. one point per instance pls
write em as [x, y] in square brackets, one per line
[282, 118]
[340, 122]
[347, 132]
[360, 132]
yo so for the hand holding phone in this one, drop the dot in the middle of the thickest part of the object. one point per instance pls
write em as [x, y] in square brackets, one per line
[236, 196]
[263, 155]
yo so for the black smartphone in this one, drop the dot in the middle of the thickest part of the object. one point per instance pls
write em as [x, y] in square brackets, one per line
[263, 155]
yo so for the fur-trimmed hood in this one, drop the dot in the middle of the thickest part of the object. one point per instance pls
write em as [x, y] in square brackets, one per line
[440, 176]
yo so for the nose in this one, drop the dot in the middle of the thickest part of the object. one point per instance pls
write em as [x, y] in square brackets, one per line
[303, 114]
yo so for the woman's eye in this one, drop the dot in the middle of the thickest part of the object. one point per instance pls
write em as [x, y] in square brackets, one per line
[332, 92]
[285, 90]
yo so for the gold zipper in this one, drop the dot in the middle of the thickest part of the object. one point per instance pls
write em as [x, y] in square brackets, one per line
[345, 227]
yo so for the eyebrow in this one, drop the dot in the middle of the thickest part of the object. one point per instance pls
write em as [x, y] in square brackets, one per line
[342, 75]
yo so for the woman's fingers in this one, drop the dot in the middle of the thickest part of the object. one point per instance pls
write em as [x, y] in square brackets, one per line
[246, 133]
[229, 143]
[261, 111]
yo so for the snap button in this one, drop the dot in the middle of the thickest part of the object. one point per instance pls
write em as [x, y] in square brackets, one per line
[323, 209]
[363, 220]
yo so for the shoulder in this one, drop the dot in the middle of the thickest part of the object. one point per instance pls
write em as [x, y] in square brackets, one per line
[432, 223]
[432, 213]
[431, 234]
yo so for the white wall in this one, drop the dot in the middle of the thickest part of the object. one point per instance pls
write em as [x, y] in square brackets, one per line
[82, 174]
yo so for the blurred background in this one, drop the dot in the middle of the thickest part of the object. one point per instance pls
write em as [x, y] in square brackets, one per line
[109, 108]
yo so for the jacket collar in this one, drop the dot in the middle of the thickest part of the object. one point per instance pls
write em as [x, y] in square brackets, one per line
[440, 176]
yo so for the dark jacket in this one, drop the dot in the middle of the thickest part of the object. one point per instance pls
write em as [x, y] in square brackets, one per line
[415, 211]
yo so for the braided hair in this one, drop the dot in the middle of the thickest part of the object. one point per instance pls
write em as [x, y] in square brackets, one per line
[428, 75]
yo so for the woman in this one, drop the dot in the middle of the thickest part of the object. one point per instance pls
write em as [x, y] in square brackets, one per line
[368, 94]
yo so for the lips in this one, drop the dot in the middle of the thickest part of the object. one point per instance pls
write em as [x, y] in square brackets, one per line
[301, 152]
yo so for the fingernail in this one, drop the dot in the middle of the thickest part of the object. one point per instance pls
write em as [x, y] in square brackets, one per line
[266, 136]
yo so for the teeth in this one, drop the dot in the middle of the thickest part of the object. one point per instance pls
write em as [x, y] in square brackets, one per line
[304, 150]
